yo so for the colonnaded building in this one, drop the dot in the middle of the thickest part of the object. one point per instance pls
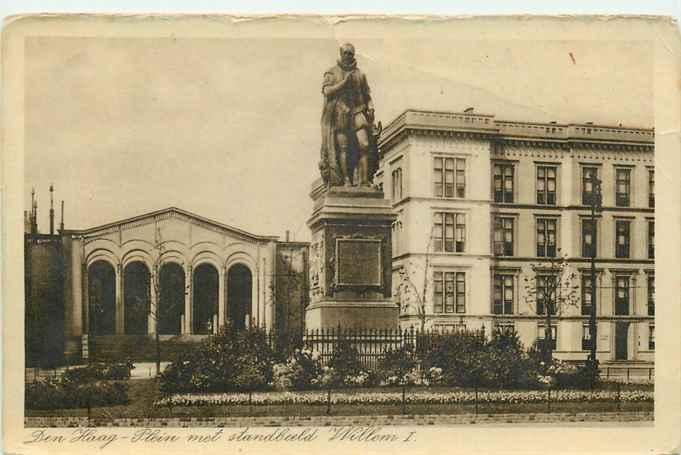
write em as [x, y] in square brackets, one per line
[478, 201]
[103, 282]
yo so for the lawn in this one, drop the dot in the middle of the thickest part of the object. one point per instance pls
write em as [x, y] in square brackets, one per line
[144, 392]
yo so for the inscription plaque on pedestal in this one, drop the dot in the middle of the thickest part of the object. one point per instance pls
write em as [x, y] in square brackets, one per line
[359, 262]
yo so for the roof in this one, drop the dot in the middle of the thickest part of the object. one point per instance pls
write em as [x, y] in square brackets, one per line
[488, 125]
[174, 210]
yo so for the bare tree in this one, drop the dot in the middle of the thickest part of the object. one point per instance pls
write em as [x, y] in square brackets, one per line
[551, 290]
[408, 294]
[163, 307]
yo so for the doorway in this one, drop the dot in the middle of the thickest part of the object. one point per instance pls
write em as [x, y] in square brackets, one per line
[621, 340]
[239, 295]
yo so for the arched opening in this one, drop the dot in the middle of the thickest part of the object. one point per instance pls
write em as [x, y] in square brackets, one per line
[137, 298]
[170, 306]
[205, 304]
[239, 295]
[102, 298]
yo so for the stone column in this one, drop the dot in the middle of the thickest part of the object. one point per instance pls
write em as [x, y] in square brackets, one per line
[222, 313]
[75, 306]
[267, 296]
[120, 301]
[189, 285]
[85, 298]
[153, 303]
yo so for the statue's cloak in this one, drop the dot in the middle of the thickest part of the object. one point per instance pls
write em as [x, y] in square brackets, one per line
[337, 113]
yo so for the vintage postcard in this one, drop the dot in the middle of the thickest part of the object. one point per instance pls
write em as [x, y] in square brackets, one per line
[363, 234]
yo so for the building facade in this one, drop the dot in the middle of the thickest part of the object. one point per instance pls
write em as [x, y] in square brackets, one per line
[169, 271]
[481, 201]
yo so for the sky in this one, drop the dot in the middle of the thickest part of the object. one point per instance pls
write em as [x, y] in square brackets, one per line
[229, 128]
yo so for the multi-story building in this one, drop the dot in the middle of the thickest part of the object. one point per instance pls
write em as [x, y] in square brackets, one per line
[481, 201]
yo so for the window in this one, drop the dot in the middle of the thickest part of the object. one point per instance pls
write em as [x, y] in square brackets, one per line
[588, 189]
[503, 183]
[589, 238]
[450, 292]
[449, 232]
[622, 228]
[503, 236]
[503, 294]
[651, 337]
[586, 337]
[651, 188]
[541, 335]
[546, 237]
[622, 295]
[506, 328]
[651, 295]
[623, 187]
[651, 240]
[397, 184]
[545, 289]
[546, 185]
[587, 295]
[449, 177]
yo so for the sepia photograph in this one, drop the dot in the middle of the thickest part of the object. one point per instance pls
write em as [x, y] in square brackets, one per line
[278, 223]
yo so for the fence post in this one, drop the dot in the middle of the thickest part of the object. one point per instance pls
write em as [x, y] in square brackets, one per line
[607, 372]
[250, 403]
[650, 373]
[404, 393]
[627, 374]
[476, 397]
[619, 404]
[89, 411]
[328, 401]
[548, 401]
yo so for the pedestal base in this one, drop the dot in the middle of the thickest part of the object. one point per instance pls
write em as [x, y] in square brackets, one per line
[350, 260]
[352, 314]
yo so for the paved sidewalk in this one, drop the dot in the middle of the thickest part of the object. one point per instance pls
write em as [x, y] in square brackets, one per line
[146, 370]
[531, 419]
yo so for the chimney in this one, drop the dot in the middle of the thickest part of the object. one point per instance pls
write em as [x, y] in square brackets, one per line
[34, 213]
[288, 234]
[61, 223]
[51, 209]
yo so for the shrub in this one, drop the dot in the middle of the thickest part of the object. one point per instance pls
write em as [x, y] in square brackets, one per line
[574, 376]
[328, 377]
[232, 360]
[60, 394]
[399, 366]
[461, 356]
[82, 375]
[434, 376]
[298, 372]
[505, 362]
[98, 372]
[119, 371]
[45, 394]
[345, 359]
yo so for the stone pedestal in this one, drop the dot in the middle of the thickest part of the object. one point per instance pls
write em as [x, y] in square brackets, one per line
[350, 260]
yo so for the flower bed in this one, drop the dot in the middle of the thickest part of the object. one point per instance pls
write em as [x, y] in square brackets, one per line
[387, 398]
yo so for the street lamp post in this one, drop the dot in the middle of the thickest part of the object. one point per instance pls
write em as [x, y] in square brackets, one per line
[596, 205]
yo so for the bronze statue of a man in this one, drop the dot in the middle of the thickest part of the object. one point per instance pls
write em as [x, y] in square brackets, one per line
[348, 133]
